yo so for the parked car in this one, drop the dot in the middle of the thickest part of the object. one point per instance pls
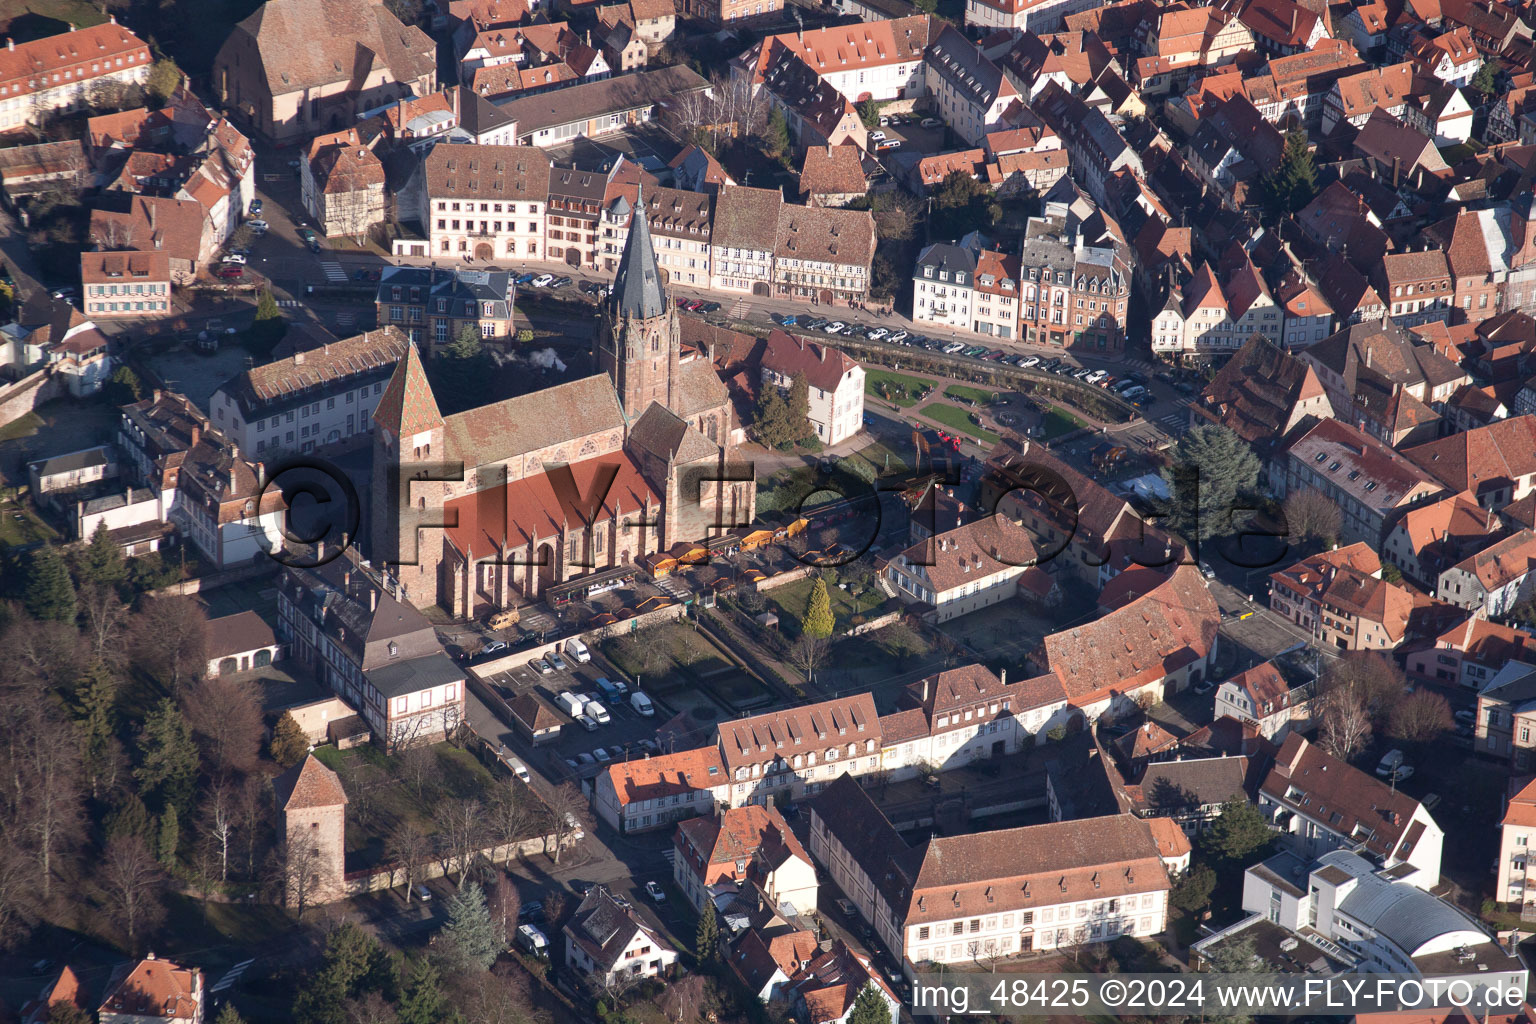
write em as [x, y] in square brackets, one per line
[1466, 716]
[931, 122]
[601, 756]
[493, 647]
[233, 257]
[259, 226]
[785, 319]
[877, 136]
[876, 333]
[255, 208]
[306, 235]
[532, 941]
[815, 324]
[555, 661]
[835, 327]
[898, 337]
[423, 893]
[531, 911]
[540, 666]
[560, 282]
[587, 760]
[314, 245]
[1392, 761]
[708, 307]
[543, 280]
[231, 272]
[954, 347]
[888, 144]
[523, 278]
[655, 892]
[1030, 361]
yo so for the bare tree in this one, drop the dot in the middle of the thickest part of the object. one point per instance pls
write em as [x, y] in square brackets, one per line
[512, 816]
[132, 883]
[253, 802]
[47, 653]
[1309, 513]
[461, 824]
[566, 809]
[112, 232]
[224, 712]
[1420, 717]
[18, 890]
[488, 997]
[369, 1008]
[807, 653]
[417, 765]
[51, 766]
[1376, 683]
[685, 999]
[104, 618]
[170, 639]
[505, 902]
[218, 823]
[1345, 725]
[407, 848]
[298, 866]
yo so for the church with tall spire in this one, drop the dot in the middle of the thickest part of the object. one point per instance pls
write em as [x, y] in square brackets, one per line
[575, 480]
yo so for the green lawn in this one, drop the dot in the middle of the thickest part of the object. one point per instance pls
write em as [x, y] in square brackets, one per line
[901, 389]
[394, 799]
[1058, 421]
[33, 19]
[959, 419]
[976, 395]
[789, 602]
[22, 426]
[29, 529]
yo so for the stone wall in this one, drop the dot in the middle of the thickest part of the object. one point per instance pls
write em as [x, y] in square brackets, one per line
[26, 394]
[667, 613]
[359, 882]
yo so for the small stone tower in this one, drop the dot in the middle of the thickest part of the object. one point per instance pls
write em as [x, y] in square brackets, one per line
[314, 810]
[410, 433]
[639, 341]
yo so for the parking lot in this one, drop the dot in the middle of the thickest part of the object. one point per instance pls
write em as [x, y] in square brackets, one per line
[621, 739]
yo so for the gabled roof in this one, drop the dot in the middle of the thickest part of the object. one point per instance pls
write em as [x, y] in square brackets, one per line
[1502, 562]
[1257, 392]
[1483, 458]
[305, 44]
[1342, 798]
[156, 988]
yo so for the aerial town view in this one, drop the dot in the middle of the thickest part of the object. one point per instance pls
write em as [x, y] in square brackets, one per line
[767, 511]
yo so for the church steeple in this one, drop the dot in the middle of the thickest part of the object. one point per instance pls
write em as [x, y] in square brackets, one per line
[637, 290]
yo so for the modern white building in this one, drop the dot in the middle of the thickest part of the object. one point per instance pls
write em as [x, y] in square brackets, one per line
[610, 942]
[835, 381]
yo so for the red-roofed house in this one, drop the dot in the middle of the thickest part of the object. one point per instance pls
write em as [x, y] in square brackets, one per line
[153, 991]
[1340, 598]
[1495, 579]
[742, 846]
[1160, 643]
[63, 989]
[836, 383]
[1517, 843]
[1262, 696]
[972, 566]
[343, 184]
[58, 72]
[1471, 653]
[1429, 539]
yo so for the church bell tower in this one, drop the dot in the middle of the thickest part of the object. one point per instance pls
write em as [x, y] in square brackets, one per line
[638, 340]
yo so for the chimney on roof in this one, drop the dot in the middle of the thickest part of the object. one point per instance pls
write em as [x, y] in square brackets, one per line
[10, 44]
[373, 599]
[197, 432]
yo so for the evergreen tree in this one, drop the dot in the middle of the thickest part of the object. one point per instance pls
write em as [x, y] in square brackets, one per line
[67, 1013]
[123, 387]
[49, 595]
[1294, 183]
[776, 134]
[168, 838]
[1193, 893]
[1486, 79]
[706, 943]
[268, 327]
[130, 819]
[229, 1015]
[1212, 466]
[353, 963]
[289, 744]
[869, 114]
[1239, 834]
[167, 756]
[798, 407]
[465, 368]
[163, 79]
[471, 939]
[771, 425]
[423, 1001]
[102, 560]
[818, 621]
[870, 1008]
[95, 714]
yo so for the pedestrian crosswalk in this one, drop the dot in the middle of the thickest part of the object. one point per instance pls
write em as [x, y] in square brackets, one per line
[288, 302]
[346, 318]
[739, 309]
[333, 271]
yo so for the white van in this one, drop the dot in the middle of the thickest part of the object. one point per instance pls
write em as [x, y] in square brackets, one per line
[1390, 763]
[642, 704]
[577, 651]
[596, 712]
[531, 940]
[569, 703]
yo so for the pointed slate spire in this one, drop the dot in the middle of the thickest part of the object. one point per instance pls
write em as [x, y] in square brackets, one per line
[407, 405]
[637, 291]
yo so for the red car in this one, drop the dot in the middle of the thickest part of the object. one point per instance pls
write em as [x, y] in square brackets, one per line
[232, 272]
[694, 306]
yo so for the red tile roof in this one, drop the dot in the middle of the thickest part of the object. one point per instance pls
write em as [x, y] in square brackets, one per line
[157, 988]
[84, 53]
[651, 778]
[308, 784]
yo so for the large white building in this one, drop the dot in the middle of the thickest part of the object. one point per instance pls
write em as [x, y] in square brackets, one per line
[319, 397]
[958, 899]
[971, 92]
[834, 379]
[63, 71]
[1517, 843]
[973, 566]
[878, 60]
[486, 202]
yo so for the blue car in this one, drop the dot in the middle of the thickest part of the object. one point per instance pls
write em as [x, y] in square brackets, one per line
[522, 279]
